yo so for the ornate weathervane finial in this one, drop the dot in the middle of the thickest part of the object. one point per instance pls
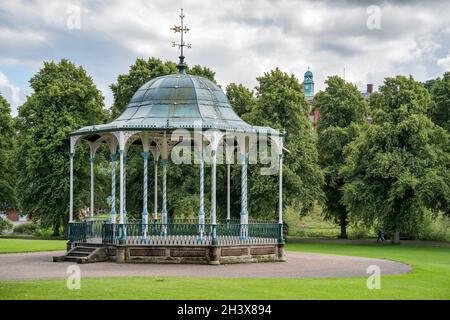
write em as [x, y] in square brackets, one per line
[182, 29]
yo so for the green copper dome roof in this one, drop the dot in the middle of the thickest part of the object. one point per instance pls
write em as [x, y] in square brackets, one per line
[308, 74]
[179, 98]
[177, 101]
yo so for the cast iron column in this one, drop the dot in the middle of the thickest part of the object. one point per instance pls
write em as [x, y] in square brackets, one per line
[244, 212]
[113, 188]
[145, 155]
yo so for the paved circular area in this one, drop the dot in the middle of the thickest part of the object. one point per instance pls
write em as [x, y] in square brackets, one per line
[39, 265]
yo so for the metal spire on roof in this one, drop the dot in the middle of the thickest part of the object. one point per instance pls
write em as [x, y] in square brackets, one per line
[182, 29]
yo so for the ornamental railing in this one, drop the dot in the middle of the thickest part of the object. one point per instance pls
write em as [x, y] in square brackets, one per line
[84, 230]
[177, 232]
[191, 234]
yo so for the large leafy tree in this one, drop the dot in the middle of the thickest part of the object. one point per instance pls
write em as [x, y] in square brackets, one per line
[282, 105]
[398, 169]
[7, 164]
[241, 98]
[440, 93]
[341, 109]
[64, 98]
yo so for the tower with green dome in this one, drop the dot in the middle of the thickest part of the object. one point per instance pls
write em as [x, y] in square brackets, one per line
[308, 85]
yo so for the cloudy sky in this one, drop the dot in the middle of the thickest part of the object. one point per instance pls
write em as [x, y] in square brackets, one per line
[238, 39]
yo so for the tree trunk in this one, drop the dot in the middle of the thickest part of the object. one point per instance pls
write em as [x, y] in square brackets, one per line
[396, 239]
[343, 225]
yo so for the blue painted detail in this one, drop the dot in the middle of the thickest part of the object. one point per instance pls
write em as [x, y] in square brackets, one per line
[122, 233]
[280, 233]
[121, 152]
[113, 157]
[214, 240]
[308, 84]
[71, 155]
[145, 155]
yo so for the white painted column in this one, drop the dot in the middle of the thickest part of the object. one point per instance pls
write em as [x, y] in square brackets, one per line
[121, 188]
[155, 200]
[280, 200]
[244, 212]
[280, 190]
[213, 198]
[122, 228]
[228, 192]
[71, 188]
[164, 197]
[91, 160]
[201, 214]
[125, 160]
[145, 155]
[113, 188]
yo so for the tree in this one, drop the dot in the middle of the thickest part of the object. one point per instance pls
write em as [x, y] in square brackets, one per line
[341, 109]
[7, 164]
[241, 98]
[140, 72]
[398, 169]
[64, 99]
[205, 72]
[282, 105]
[440, 93]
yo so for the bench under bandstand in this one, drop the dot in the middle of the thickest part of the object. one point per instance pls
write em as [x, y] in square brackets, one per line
[185, 111]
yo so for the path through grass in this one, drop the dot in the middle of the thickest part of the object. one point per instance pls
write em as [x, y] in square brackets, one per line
[430, 279]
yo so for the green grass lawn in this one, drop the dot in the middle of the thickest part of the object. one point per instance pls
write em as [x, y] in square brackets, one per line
[313, 226]
[24, 245]
[430, 279]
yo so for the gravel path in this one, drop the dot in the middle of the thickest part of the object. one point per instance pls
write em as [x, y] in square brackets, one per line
[39, 265]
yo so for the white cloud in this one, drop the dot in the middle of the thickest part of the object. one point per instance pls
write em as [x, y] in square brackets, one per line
[444, 62]
[10, 92]
[239, 39]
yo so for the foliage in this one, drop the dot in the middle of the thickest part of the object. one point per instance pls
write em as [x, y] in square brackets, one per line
[440, 93]
[241, 98]
[398, 168]
[341, 109]
[140, 72]
[5, 225]
[26, 228]
[282, 105]
[64, 99]
[7, 165]
[205, 72]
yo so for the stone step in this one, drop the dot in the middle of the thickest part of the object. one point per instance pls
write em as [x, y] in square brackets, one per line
[85, 249]
[74, 259]
[78, 253]
[84, 254]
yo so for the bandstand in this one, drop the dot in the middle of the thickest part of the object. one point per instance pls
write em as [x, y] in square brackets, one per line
[166, 113]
